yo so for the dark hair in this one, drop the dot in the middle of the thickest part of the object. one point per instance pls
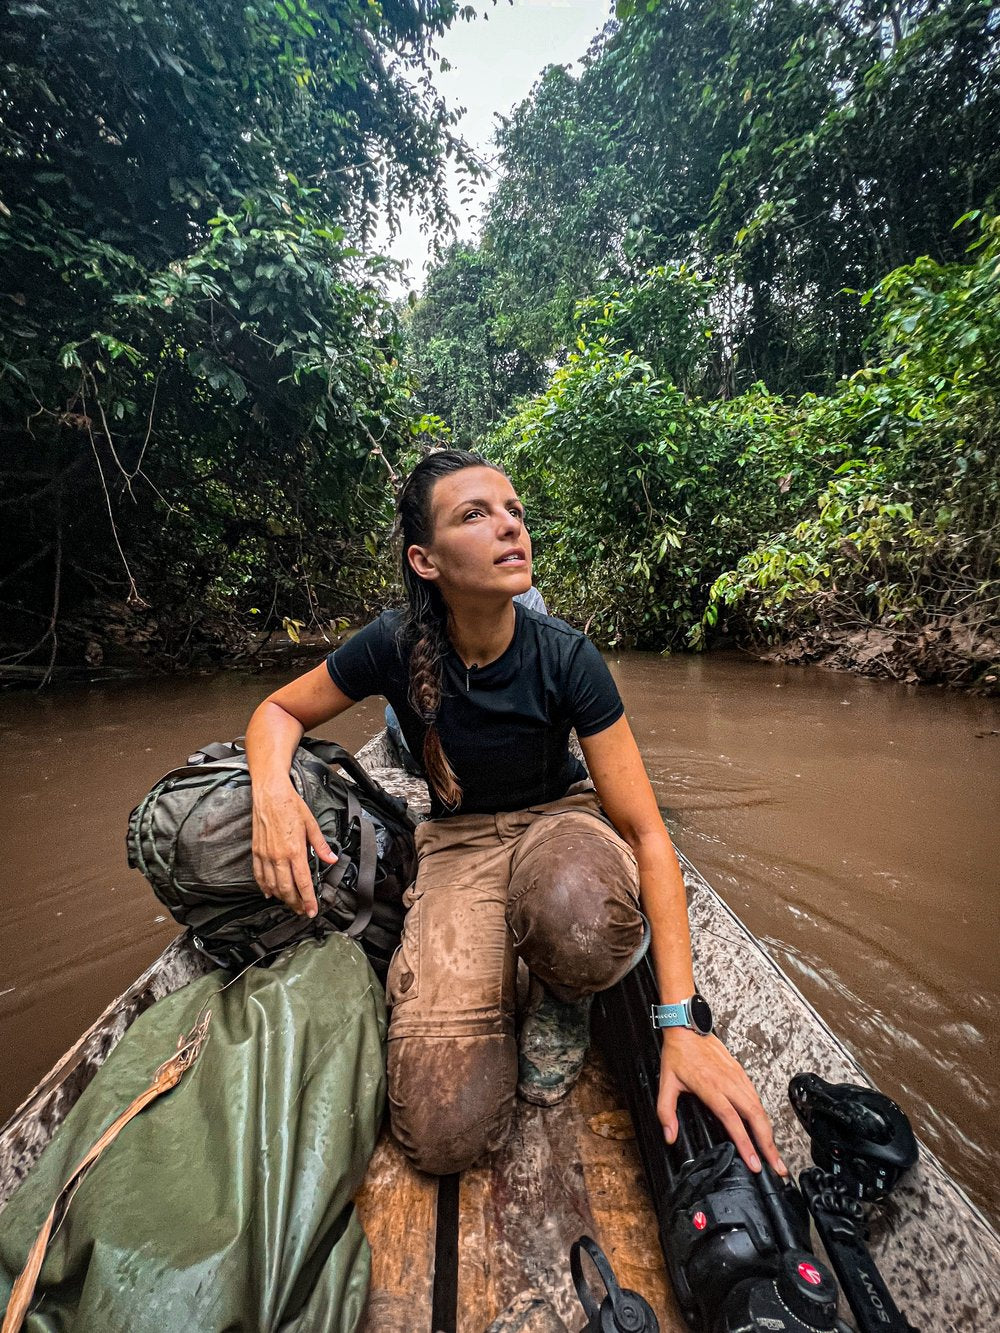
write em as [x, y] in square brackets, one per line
[424, 628]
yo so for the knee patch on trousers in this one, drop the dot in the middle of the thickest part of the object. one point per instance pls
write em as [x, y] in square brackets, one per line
[573, 909]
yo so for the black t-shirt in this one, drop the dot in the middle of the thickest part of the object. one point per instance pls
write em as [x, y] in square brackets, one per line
[505, 726]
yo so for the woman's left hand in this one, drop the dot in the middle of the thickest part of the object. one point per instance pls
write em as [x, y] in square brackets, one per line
[692, 1063]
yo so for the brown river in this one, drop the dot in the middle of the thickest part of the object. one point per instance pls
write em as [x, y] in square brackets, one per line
[853, 825]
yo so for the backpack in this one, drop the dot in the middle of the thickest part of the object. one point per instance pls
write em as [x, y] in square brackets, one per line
[191, 838]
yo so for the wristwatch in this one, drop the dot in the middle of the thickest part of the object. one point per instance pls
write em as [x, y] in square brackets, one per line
[694, 1014]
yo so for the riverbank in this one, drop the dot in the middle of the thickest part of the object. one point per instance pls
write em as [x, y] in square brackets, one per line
[941, 654]
[121, 654]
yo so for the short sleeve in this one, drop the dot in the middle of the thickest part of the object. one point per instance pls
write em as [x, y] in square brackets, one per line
[363, 665]
[594, 699]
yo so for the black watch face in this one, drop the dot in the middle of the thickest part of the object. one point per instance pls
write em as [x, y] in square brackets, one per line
[701, 1014]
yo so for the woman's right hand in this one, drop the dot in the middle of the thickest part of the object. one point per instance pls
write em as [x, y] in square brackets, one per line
[283, 828]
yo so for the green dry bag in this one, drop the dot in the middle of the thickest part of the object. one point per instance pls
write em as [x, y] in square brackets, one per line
[227, 1204]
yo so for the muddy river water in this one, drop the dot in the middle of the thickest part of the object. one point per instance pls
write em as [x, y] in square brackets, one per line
[853, 825]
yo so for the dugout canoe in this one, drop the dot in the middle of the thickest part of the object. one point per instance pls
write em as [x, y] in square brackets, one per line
[458, 1252]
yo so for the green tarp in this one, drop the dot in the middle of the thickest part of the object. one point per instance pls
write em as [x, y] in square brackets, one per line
[226, 1205]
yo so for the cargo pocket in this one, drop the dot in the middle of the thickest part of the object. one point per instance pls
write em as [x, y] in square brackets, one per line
[403, 980]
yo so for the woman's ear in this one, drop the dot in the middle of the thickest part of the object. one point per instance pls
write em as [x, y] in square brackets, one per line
[421, 563]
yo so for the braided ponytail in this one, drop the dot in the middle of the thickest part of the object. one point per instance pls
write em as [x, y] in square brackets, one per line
[424, 629]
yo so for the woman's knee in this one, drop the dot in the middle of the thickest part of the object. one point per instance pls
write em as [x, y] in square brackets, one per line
[574, 912]
[451, 1099]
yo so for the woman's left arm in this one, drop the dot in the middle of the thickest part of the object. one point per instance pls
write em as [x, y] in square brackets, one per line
[689, 1062]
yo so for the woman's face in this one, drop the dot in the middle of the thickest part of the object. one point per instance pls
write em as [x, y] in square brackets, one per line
[480, 544]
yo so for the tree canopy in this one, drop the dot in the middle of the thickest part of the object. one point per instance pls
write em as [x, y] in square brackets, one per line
[729, 321]
[800, 149]
[750, 245]
[198, 364]
[472, 360]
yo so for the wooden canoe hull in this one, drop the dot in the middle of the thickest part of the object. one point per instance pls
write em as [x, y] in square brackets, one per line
[575, 1168]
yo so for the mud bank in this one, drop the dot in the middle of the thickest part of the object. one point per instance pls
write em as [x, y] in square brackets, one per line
[936, 654]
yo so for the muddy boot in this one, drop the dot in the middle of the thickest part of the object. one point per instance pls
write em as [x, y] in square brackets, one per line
[552, 1047]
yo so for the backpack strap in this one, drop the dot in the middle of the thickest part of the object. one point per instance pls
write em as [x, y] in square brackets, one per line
[367, 865]
[327, 752]
[216, 750]
[336, 756]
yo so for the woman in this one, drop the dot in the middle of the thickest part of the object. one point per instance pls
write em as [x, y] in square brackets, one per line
[522, 857]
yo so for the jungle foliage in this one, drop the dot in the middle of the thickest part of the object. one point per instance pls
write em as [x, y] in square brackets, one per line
[721, 324]
[199, 391]
[895, 566]
[731, 239]
[473, 360]
[800, 148]
[862, 526]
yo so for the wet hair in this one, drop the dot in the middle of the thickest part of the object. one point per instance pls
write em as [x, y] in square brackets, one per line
[425, 622]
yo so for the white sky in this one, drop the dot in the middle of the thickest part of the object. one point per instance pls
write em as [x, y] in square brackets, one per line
[494, 64]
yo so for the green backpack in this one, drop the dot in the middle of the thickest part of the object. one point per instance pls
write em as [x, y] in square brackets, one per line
[191, 838]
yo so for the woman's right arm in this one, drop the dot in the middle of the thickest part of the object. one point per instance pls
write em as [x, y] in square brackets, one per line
[283, 825]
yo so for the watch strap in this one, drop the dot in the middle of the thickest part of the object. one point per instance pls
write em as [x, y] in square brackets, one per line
[670, 1015]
